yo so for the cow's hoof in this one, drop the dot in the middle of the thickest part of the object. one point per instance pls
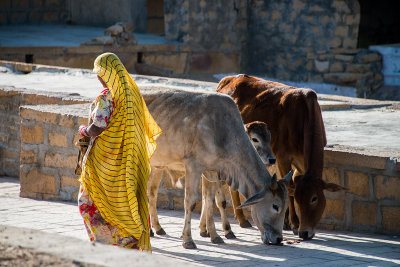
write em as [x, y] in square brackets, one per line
[189, 245]
[151, 233]
[161, 232]
[286, 226]
[217, 240]
[230, 235]
[295, 231]
[245, 224]
[204, 234]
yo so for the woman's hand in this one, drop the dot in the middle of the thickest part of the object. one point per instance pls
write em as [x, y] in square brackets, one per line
[90, 131]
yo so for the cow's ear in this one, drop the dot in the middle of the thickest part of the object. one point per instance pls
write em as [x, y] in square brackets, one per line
[274, 183]
[246, 127]
[253, 200]
[331, 187]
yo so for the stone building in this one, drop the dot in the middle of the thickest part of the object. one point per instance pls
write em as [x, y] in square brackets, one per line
[298, 40]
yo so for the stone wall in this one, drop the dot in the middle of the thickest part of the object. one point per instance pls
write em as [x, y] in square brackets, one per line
[33, 11]
[311, 41]
[10, 101]
[106, 13]
[293, 40]
[89, 12]
[373, 200]
[207, 25]
[48, 159]
[176, 58]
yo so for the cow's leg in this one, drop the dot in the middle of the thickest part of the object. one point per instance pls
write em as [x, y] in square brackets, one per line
[154, 183]
[208, 189]
[221, 204]
[284, 167]
[293, 219]
[192, 181]
[243, 222]
[203, 216]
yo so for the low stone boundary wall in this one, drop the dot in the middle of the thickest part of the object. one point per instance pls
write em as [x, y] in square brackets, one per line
[178, 59]
[43, 151]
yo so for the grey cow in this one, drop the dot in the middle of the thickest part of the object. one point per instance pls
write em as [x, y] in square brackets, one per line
[203, 133]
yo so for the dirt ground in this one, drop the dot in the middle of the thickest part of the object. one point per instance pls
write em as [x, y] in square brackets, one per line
[19, 256]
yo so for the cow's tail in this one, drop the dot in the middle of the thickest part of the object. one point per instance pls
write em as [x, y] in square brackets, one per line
[314, 136]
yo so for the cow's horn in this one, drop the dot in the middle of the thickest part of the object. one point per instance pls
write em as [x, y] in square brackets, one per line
[253, 200]
[274, 183]
[288, 176]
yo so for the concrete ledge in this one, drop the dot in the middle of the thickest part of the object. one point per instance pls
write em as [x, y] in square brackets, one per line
[75, 249]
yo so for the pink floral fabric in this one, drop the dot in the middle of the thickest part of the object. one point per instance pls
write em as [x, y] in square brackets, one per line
[97, 228]
[104, 107]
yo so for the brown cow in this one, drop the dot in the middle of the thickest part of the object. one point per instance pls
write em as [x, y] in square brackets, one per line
[298, 138]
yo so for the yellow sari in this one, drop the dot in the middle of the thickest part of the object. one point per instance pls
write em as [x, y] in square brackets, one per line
[117, 168]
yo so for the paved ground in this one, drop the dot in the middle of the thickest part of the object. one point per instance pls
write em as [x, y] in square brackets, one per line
[61, 228]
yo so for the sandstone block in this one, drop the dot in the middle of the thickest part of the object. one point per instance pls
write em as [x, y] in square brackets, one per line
[316, 30]
[21, 4]
[37, 3]
[179, 203]
[31, 135]
[321, 66]
[33, 99]
[336, 67]
[39, 116]
[364, 213]
[58, 160]
[50, 16]
[331, 175]
[347, 158]
[334, 42]
[359, 68]
[175, 62]
[56, 139]
[371, 58]
[387, 187]
[358, 182]
[349, 42]
[214, 63]
[67, 121]
[347, 58]
[390, 219]
[341, 31]
[10, 154]
[335, 208]
[69, 181]
[5, 4]
[53, 3]
[162, 201]
[28, 156]
[342, 78]
[37, 182]
[298, 5]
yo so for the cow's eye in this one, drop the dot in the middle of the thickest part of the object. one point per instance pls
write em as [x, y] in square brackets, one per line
[275, 207]
[254, 140]
[314, 199]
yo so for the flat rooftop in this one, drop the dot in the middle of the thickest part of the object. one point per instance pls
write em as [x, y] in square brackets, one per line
[61, 35]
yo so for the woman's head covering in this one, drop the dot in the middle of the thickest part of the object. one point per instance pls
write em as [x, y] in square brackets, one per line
[117, 167]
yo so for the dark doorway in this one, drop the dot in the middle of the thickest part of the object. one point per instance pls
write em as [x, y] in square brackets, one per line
[379, 22]
[155, 17]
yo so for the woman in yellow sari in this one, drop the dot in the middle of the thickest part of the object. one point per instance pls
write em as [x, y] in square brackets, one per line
[112, 198]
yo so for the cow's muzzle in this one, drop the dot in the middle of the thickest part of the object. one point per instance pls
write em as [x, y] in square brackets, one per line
[271, 236]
